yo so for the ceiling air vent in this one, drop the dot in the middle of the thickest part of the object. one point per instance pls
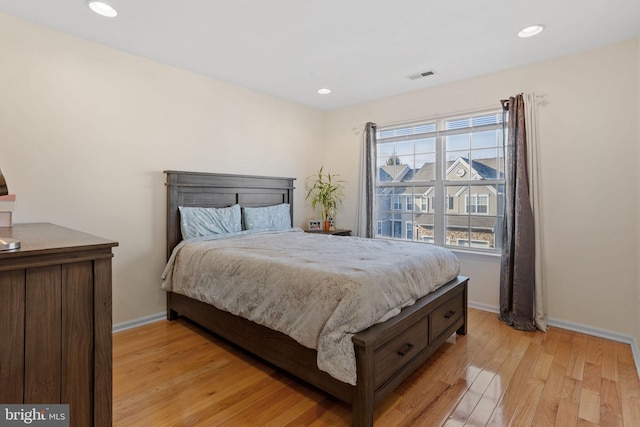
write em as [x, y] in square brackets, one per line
[421, 75]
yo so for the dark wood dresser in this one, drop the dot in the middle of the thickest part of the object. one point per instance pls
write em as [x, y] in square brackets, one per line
[55, 321]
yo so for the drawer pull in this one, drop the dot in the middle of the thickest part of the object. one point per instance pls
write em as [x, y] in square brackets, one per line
[449, 314]
[406, 349]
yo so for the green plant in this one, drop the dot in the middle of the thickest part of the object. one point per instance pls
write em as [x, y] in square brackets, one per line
[325, 190]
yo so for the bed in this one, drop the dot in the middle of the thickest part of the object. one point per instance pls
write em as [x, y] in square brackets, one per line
[385, 353]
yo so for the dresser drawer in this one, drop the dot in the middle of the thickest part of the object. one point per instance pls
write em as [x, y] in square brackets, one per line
[446, 315]
[400, 350]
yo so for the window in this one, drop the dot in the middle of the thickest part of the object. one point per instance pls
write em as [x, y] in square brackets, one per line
[452, 168]
[397, 203]
[409, 229]
[477, 203]
[424, 203]
[397, 229]
[410, 204]
[449, 202]
[473, 243]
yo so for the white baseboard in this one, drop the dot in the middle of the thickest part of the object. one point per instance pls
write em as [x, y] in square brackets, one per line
[484, 307]
[584, 329]
[590, 330]
[129, 324]
[601, 333]
[636, 354]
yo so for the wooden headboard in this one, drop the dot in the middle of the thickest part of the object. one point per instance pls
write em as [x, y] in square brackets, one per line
[215, 190]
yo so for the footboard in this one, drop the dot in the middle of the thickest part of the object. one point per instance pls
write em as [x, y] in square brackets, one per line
[389, 352]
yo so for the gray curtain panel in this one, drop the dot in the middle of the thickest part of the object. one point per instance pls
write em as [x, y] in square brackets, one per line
[3, 185]
[517, 272]
[364, 208]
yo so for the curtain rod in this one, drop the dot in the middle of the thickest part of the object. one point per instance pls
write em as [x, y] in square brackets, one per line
[438, 115]
[358, 130]
[540, 97]
[505, 102]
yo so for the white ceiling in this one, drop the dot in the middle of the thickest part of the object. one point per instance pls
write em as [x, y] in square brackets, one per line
[361, 49]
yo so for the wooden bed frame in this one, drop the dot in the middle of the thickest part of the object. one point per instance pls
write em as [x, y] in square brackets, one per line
[386, 353]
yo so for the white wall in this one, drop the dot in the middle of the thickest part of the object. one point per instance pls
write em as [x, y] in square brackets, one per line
[86, 131]
[637, 335]
[589, 180]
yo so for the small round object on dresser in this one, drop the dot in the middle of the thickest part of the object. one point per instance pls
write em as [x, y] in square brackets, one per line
[9, 244]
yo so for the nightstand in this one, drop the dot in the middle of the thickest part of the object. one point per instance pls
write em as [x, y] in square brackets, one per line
[336, 232]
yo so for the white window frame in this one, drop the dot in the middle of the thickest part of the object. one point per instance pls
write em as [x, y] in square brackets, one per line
[397, 202]
[424, 203]
[409, 228]
[468, 203]
[436, 130]
[474, 243]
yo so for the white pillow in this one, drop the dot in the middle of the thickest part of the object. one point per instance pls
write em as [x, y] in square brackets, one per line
[196, 222]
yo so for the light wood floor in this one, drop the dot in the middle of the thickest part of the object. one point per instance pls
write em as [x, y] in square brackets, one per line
[174, 374]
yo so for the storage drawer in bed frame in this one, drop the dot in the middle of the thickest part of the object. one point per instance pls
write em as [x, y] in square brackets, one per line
[411, 337]
[446, 315]
[400, 349]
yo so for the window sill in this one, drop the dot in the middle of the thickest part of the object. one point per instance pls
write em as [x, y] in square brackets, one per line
[456, 250]
[475, 254]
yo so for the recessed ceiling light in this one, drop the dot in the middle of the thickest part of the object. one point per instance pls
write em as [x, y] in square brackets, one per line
[102, 8]
[531, 31]
[324, 91]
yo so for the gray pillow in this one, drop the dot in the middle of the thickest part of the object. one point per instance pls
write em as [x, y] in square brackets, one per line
[196, 222]
[277, 217]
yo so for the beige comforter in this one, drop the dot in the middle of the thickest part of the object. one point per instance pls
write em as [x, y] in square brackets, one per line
[318, 289]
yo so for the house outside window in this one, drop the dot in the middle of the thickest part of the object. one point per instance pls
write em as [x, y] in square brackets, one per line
[454, 168]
